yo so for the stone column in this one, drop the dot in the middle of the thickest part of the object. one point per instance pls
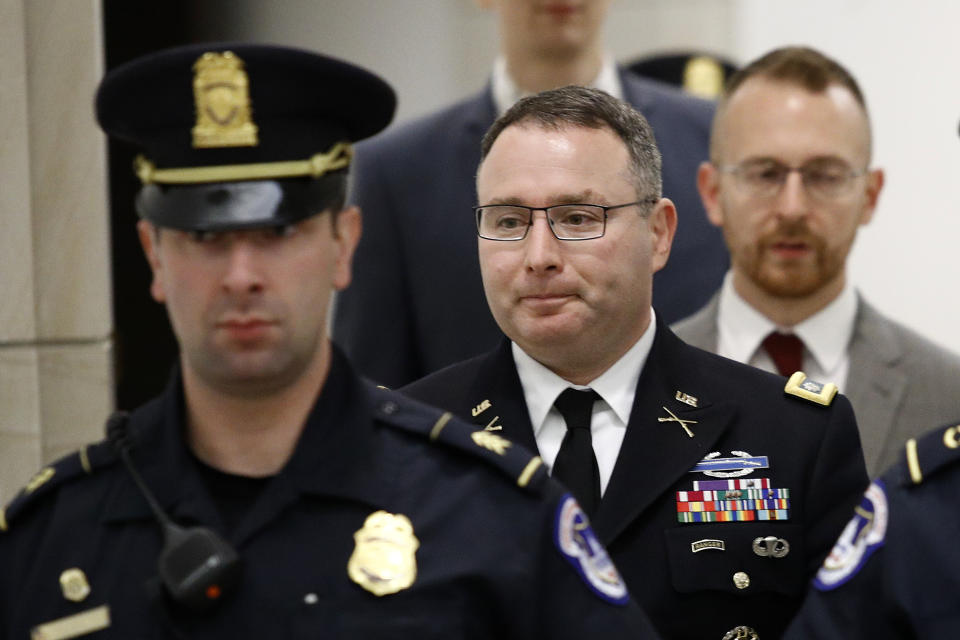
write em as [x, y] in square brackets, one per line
[56, 386]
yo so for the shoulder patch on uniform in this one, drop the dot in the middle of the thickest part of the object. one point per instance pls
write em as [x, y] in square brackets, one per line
[818, 392]
[863, 535]
[933, 451]
[580, 546]
[73, 466]
[397, 410]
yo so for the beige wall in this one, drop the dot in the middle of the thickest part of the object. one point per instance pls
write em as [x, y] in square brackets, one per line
[55, 317]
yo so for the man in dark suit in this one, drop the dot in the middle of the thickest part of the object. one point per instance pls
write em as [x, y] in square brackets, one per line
[416, 291]
[717, 490]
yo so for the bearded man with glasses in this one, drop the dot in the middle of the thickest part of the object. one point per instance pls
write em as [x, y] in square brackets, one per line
[701, 475]
[790, 184]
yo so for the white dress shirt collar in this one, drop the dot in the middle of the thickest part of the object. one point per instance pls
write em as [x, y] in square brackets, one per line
[825, 334]
[506, 92]
[616, 386]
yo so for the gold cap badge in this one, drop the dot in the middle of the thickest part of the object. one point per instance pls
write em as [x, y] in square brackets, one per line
[73, 583]
[383, 560]
[222, 98]
[703, 77]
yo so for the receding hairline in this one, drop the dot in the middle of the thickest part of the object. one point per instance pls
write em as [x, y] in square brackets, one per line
[801, 67]
[719, 117]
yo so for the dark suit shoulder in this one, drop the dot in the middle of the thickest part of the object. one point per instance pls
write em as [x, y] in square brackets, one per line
[430, 129]
[452, 434]
[73, 468]
[670, 97]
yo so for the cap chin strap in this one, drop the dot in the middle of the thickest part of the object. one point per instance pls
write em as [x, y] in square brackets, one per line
[338, 157]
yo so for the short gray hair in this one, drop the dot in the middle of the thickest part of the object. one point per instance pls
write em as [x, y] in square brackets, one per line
[593, 109]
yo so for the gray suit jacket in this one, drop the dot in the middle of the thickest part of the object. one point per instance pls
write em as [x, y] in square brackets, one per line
[900, 384]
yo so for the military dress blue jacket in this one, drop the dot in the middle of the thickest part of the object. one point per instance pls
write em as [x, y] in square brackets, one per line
[719, 530]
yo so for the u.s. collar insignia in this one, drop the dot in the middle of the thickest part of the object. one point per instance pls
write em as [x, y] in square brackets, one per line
[579, 545]
[741, 464]
[384, 559]
[686, 398]
[480, 408]
[222, 99]
[798, 385]
[863, 535]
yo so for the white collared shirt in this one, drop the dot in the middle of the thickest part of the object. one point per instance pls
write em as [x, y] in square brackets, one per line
[506, 92]
[616, 387]
[826, 334]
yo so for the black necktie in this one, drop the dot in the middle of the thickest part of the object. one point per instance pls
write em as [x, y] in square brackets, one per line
[576, 465]
[786, 350]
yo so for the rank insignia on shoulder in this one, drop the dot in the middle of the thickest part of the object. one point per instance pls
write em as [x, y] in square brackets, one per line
[863, 535]
[818, 392]
[384, 559]
[580, 546]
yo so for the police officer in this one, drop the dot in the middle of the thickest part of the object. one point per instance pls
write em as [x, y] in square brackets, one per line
[269, 492]
[895, 570]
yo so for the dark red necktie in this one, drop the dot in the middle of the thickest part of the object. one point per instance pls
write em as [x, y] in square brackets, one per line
[786, 349]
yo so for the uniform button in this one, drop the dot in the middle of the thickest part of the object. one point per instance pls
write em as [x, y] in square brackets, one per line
[741, 580]
[311, 598]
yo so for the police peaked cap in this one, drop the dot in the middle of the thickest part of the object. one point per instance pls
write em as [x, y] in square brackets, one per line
[235, 135]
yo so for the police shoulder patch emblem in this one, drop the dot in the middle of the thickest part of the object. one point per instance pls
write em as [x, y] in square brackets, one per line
[384, 559]
[863, 535]
[582, 549]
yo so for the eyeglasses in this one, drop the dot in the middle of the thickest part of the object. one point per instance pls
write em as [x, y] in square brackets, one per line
[823, 179]
[510, 222]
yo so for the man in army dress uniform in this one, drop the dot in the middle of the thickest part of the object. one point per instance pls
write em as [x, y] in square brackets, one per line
[717, 491]
[895, 570]
[269, 492]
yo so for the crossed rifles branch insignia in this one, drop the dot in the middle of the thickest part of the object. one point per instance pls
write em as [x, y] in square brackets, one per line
[673, 418]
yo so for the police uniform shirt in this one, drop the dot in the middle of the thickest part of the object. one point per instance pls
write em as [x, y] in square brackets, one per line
[826, 334]
[506, 92]
[459, 550]
[615, 386]
[895, 570]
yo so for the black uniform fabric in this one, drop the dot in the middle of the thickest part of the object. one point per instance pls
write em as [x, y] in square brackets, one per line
[813, 451]
[903, 582]
[416, 277]
[487, 565]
